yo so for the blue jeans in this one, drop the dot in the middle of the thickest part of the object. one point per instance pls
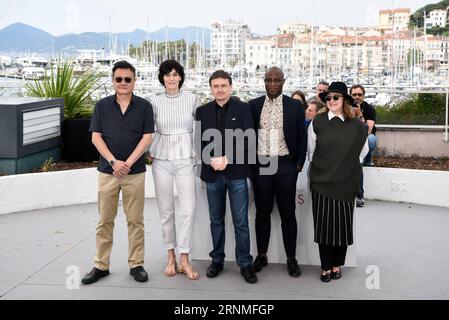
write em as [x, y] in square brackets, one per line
[238, 196]
[372, 143]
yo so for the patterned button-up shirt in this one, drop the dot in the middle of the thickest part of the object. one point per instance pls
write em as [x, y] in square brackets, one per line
[271, 134]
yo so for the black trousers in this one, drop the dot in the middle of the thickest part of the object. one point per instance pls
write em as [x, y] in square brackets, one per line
[332, 256]
[283, 186]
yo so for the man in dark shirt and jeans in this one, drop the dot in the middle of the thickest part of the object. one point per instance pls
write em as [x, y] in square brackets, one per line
[366, 114]
[122, 127]
[224, 172]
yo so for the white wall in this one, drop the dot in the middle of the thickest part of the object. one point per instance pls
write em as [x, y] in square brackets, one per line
[45, 190]
[54, 189]
[404, 185]
[412, 143]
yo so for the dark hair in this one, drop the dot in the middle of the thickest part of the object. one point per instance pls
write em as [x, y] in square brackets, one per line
[325, 83]
[123, 65]
[299, 93]
[167, 66]
[303, 98]
[357, 86]
[220, 74]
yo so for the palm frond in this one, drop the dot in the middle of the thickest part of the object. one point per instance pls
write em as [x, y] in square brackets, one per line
[62, 83]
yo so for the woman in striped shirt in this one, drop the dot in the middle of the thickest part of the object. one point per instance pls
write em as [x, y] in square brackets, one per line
[172, 153]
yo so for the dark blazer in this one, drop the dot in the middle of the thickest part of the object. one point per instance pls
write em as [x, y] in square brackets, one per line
[294, 128]
[238, 116]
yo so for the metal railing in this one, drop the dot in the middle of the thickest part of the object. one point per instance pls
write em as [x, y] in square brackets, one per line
[247, 92]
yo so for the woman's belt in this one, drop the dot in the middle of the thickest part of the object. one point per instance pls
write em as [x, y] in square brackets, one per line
[174, 134]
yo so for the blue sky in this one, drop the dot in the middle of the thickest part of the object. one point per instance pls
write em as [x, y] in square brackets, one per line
[70, 16]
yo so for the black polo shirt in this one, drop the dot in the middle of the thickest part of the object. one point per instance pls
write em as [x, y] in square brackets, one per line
[221, 113]
[369, 113]
[122, 132]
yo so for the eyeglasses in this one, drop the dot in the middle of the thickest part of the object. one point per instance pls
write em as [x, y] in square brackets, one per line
[275, 80]
[335, 97]
[120, 79]
[357, 94]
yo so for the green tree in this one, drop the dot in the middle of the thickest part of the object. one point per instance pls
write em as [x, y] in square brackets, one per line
[417, 19]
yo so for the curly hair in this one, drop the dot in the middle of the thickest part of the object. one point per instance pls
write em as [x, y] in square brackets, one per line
[167, 66]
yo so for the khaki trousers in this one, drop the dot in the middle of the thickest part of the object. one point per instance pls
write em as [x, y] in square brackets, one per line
[133, 193]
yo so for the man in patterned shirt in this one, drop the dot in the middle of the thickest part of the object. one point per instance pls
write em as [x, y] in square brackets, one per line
[282, 140]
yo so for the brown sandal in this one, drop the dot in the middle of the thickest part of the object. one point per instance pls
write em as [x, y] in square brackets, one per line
[170, 270]
[188, 271]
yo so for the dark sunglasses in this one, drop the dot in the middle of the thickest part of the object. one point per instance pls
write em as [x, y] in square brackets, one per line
[335, 97]
[357, 94]
[120, 79]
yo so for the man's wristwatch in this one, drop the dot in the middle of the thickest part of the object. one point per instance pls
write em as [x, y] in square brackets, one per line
[111, 162]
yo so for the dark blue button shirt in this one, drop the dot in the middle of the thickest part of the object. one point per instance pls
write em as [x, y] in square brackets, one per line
[122, 132]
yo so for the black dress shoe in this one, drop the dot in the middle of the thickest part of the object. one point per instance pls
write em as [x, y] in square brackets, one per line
[249, 274]
[139, 274]
[326, 277]
[94, 275]
[260, 262]
[336, 275]
[293, 268]
[214, 269]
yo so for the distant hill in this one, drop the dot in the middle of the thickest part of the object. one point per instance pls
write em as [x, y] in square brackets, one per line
[417, 19]
[20, 37]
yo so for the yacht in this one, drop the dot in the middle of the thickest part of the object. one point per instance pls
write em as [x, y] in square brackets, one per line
[33, 60]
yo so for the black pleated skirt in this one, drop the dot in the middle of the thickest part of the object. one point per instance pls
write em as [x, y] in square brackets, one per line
[332, 220]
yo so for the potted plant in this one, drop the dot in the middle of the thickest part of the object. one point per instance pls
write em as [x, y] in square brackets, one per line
[78, 106]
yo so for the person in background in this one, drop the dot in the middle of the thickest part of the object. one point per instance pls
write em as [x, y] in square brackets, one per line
[337, 140]
[313, 108]
[367, 114]
[321, 87]
[122, 127]
[299, 95]
[172, 154]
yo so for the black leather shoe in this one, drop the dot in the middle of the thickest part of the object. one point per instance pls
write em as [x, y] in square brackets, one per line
[260, 262]
[249, 274]
[214, 269]
[336, 275]
[326, 277]
[139, 274]
[94, 275]
[293, 268]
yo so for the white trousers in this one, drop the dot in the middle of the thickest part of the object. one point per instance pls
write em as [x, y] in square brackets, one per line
[177, 229]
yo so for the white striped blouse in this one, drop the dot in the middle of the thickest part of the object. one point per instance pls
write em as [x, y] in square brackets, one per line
[174, 121]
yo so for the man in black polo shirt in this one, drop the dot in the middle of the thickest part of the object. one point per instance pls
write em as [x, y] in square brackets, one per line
[366, 114]
[122, 127]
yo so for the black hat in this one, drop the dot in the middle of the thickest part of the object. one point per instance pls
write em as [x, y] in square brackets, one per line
[339, 87]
